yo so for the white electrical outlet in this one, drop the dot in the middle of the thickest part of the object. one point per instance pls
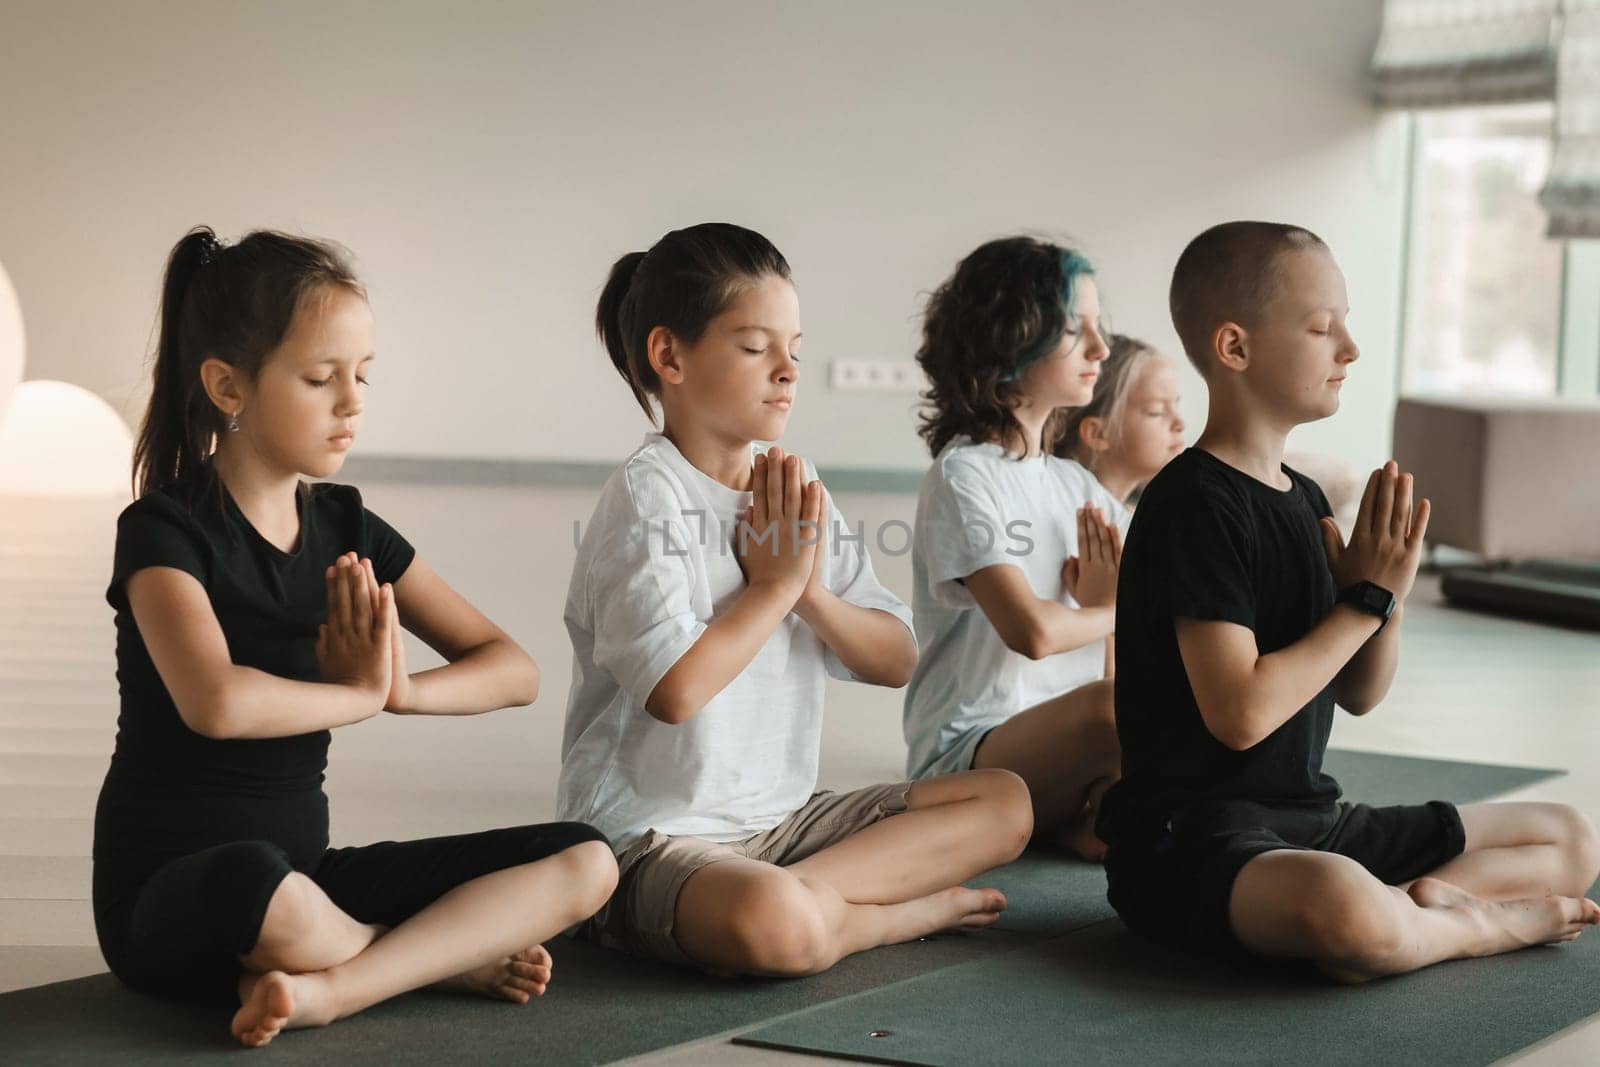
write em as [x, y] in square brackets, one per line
[875, 375]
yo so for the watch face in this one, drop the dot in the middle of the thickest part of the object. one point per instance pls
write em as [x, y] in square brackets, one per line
[1370, 598]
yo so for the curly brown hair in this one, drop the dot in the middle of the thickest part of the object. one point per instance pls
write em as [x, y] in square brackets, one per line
[1007, 304]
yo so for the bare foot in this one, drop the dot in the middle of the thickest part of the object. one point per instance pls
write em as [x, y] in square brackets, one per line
[1512, 924]
[960, 908]
[1078, 837]
[277, 1001]
[1437, 893]
[513, 978]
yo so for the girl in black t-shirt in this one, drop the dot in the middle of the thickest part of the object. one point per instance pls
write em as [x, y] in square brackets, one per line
[256, 612]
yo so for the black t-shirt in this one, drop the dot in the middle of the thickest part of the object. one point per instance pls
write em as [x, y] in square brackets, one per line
[172, 791]
[1210, 542]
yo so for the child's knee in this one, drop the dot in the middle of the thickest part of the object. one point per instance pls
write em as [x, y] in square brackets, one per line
[1319, 906]
[1007, 797]
[780, 928]
[1582, 846]
[291, 918]
[1353, 921]
[591, 870]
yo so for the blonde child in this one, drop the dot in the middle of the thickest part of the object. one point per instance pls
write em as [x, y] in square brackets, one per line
[1130, 428]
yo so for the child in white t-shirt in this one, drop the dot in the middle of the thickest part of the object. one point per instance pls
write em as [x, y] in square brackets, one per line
[1016, 550]
[711, 595]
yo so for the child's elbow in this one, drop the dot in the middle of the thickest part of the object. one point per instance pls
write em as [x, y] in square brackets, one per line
[1232, 727]
[1356, 694]
[670, 714]
[1026, 639]
[1241, 742]
[1237, 740]
[665, 704]
[527, 688]
[211, 727]
[1356, 705]
[209, 716]
[898, 672]
[890, 676]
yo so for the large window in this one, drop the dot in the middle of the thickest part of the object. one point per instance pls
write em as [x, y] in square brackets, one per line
[1484, 290]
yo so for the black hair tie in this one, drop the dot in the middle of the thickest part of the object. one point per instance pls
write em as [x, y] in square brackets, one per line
[210, 249]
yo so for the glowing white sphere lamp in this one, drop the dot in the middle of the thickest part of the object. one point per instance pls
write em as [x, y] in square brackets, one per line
[60, 439]
[11, 341]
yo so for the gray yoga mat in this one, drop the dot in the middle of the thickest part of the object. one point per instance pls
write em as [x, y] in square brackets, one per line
[1379, 778]
[1103, 995]
[603, 1006]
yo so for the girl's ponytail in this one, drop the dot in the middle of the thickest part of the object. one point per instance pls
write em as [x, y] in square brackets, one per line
[167, 447]
[608, 324]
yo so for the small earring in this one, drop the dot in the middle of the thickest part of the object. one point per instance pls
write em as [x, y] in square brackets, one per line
[233, 422]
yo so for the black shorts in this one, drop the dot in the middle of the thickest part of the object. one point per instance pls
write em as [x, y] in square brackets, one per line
[1177, 889]
[182, 930]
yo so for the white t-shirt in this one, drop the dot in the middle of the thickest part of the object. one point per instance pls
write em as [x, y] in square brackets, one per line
[656, 564]
[980, 506]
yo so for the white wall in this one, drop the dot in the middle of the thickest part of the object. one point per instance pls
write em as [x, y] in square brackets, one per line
[488, 161]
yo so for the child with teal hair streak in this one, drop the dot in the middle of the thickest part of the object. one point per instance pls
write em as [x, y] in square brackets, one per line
[1015, 552]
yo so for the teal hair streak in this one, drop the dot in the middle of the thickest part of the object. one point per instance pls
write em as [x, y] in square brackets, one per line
[1073, 266]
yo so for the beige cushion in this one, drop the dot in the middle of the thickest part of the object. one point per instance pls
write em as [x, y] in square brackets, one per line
[1508, 478]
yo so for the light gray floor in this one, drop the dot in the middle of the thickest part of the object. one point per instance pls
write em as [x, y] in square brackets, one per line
[1471, 687]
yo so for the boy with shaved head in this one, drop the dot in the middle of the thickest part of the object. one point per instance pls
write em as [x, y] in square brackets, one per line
[1242, 619]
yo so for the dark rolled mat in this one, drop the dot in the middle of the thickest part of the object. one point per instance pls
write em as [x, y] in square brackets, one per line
[1566, 592]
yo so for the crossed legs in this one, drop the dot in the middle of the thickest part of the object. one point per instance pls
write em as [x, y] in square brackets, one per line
[1521, 881]
[313, 963]
[896, 880]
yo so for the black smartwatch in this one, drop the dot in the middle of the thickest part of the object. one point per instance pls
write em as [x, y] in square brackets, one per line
[1369, 599]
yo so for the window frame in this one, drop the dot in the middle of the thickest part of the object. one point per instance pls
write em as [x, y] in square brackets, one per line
[1577, 354]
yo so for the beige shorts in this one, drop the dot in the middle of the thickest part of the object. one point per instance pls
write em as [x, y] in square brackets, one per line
[639, 916]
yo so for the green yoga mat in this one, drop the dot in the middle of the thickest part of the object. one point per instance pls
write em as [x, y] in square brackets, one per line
[603, 1006]
[1103, 995]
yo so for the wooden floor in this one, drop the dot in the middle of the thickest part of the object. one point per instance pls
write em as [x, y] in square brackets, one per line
[1471, 687]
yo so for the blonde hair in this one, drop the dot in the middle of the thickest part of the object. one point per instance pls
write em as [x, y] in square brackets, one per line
[1118, 372]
